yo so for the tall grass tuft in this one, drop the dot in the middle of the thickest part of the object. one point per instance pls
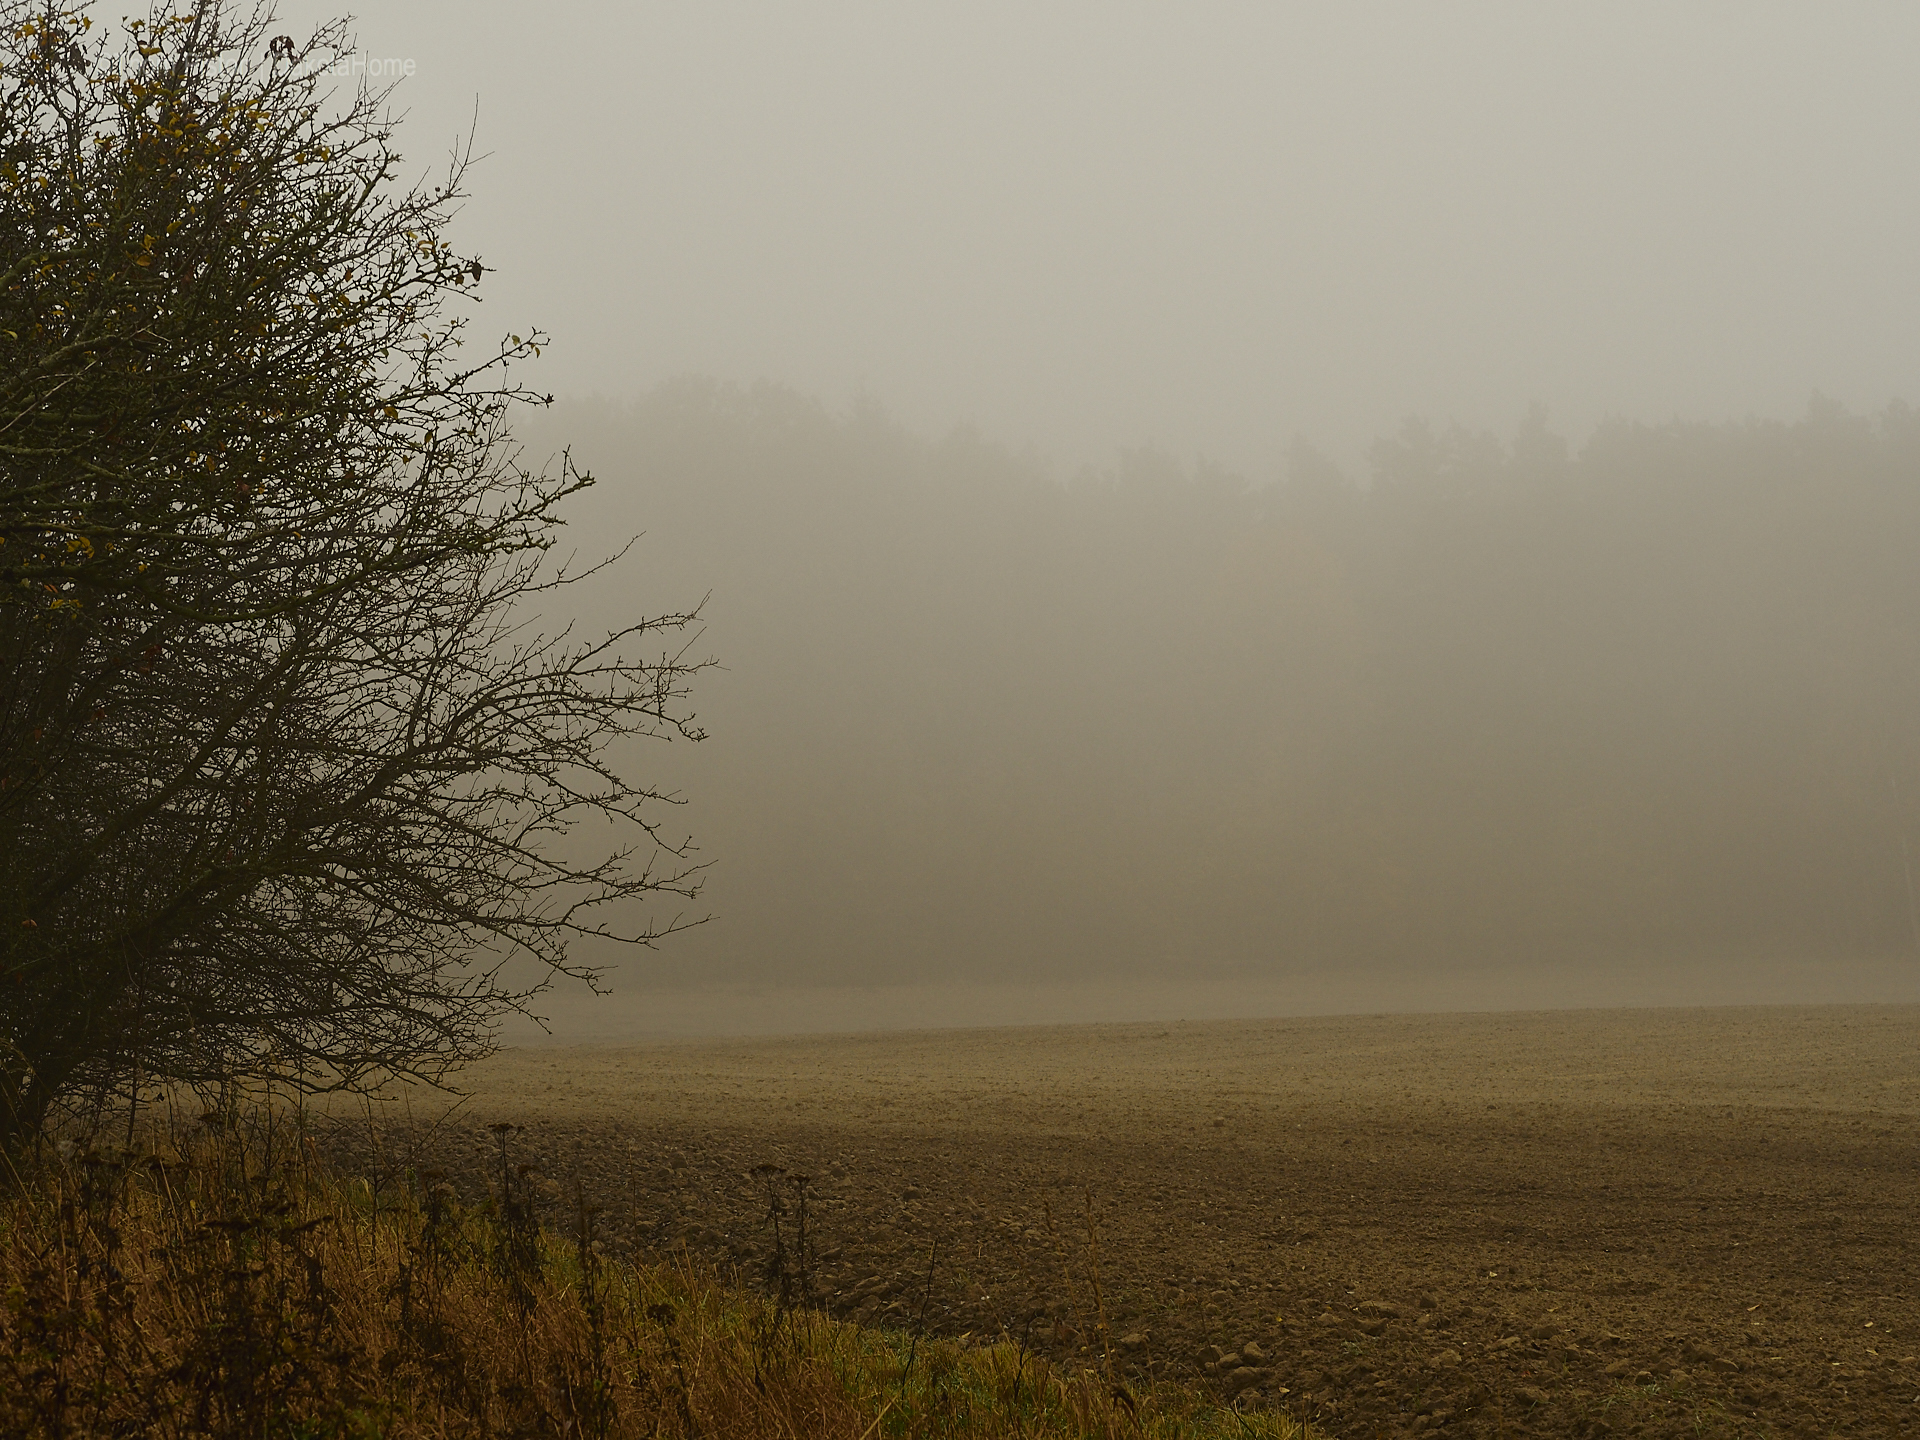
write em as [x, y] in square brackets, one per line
[223, 1283]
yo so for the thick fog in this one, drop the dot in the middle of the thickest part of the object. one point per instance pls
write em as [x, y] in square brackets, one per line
[1645, 708]
[1208, 227]
[1092, 609]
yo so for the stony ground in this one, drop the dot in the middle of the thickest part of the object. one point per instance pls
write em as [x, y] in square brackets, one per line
[1670, 1222]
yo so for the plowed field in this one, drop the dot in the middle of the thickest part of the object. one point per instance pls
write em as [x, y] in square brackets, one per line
[1659, 1222]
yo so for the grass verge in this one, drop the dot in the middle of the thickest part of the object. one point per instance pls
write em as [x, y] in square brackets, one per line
[225, 1284]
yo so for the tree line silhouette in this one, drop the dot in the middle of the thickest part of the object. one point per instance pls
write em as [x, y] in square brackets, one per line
[1493, 700]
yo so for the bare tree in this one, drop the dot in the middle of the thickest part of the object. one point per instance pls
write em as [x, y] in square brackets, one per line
[287, 767]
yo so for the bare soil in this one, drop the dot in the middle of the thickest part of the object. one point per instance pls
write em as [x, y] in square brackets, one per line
[1655, 1222]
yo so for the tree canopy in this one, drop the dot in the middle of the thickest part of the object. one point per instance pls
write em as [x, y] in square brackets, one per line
[286, 756]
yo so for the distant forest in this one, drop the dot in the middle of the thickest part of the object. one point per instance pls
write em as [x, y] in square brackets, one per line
[1492, 701]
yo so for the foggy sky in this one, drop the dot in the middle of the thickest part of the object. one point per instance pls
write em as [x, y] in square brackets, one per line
[1086, 226]
[1606, 695]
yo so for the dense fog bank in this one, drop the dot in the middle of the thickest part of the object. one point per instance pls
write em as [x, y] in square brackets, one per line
[1491, 702]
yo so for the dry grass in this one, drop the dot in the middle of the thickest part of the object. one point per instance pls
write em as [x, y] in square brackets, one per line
[225, 1284]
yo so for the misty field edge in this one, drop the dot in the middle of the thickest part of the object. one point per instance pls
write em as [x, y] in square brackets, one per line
[235, 1285]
